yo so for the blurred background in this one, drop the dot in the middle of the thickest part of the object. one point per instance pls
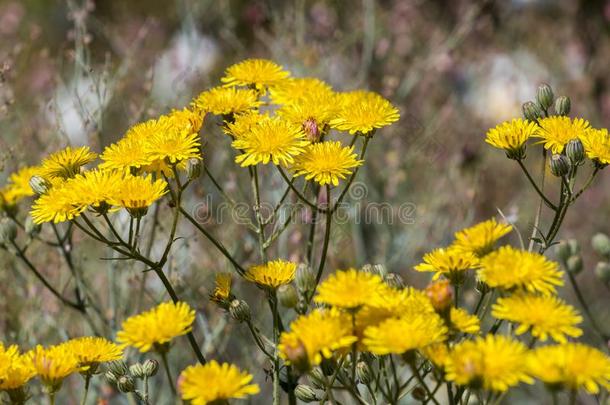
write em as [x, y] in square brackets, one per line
[81, 73]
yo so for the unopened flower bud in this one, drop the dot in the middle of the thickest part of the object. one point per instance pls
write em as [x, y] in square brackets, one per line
[118, 367]
[394, 280]
[574, 264]
[125, 384]
[317, 378]
[312, 130]
[601, 244]
[560, 165]
[563, 251]
[419, 394]
[240, 310]
[150, 367]
[305, 278]
[531, 111]
[39, 185]
[440, 294]
[545, 96]
[287, 295]
[574, 247]
[8, 230]
[32, 228]
[563, 105]
[575, 151]
[136, 370]
[193, 168]
[110, 377]
[602, 271]
[363, 372]
[297, 356]
[378, 269]
[305, 393]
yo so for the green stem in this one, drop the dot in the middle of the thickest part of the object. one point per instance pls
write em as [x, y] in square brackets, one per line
[258, 214]
[168, 372]
[581, 299]
[325, 244]
[423, 383]
[531, 180]
[87, 381]
[276, 359]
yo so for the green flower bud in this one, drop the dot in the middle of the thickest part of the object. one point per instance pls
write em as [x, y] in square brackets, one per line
[39, 185]
[575, 151]
[574, 264]
[563, 251]
[378, 269]
[32, 228]
[563, 105]
[394, 280]
[136, 370]
[118, 367]
[317, 378]
[193, 168]
[305, 278]
[602, 271]
[363, 372]
[8, 230]
[545, 96]
[240, 310]
[150, 367]
[560, 166]
[125, 384]
[574, 247]
[531, 111]
[287, 295]
[110, 377]
[601, 244]
[305, 393]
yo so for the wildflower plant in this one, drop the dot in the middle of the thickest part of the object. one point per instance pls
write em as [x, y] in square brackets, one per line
[352, 336]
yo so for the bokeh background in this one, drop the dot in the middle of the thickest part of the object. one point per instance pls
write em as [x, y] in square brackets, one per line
[81, 73]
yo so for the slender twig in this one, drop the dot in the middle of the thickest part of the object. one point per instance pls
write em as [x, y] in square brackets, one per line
[531, 180]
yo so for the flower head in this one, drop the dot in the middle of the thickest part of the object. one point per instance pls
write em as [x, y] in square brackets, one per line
[316, 335]
[349, 289]
[450, 262]
[511, 136]
[91, 351]
[493, 362]
[57, 205]
[294, 90]
[157, 327]
[53, 364]
[572, 366]
[464, 322]
[222, 291]
[226, 100]
[126, 154]
[597, 145]
[206, 383]
[136, 193]
[364, 111]
[175, 139]
[326, 162]
[509, 268]
[94, 188]
[481, 238]
[257, 72]
[272, 274]
[66, 163]
[18, 185]
[16, 369]
[544, 315]
[557, 131]
[270, 140]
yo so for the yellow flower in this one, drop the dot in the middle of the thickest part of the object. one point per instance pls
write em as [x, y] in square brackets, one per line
[157, 327]
[510, 268]
[326, 162]
[176, 138]
[57, 205]
[318, 333]
[136, 194]
[481, 238]
[557, 131]
[450, 262]
[437, 353]
[226, 100]
[91, 351]
[53, 364]
[16, 369]
[242, 123]
[94, 188]
[293, 90]
[511, 136]
[464, 322]
[272, 274]
[364, 111]
[66, 163]
[494, 363]
[349, 289]
[18, 185]
[572, 366]
[273, 139]
[127, 153]
[312, 112]
[544, 315]
[207, 383]
[222, 291]
[258, 72]
[400, 335]
[597, 145]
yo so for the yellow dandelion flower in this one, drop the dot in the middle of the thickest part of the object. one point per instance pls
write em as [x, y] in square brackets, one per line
[18, 185]
[364, 111]
[256, 72]
[319, 334]
[242, 124]
[557, 131]
[126, 154]
[571, 365]
[509, 268]
[511, 136]
[437, 354]
[313, 113]
[16, 369]
[597, 145]
[226, 100]
[222, 290]
[481, 238]
[66, 163]
[294, 90]
[212, 382]
[493, 362]
[176, 139]
[53, 364]
[349, 289]
[91, 351]
[400, 335]
[94, 188]
[157, 327]
[326, 162]
[57, 205]
[464, 322]
[272, 274]
[449, 262]
[270, 140]
[544, 316]
[136, 194]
